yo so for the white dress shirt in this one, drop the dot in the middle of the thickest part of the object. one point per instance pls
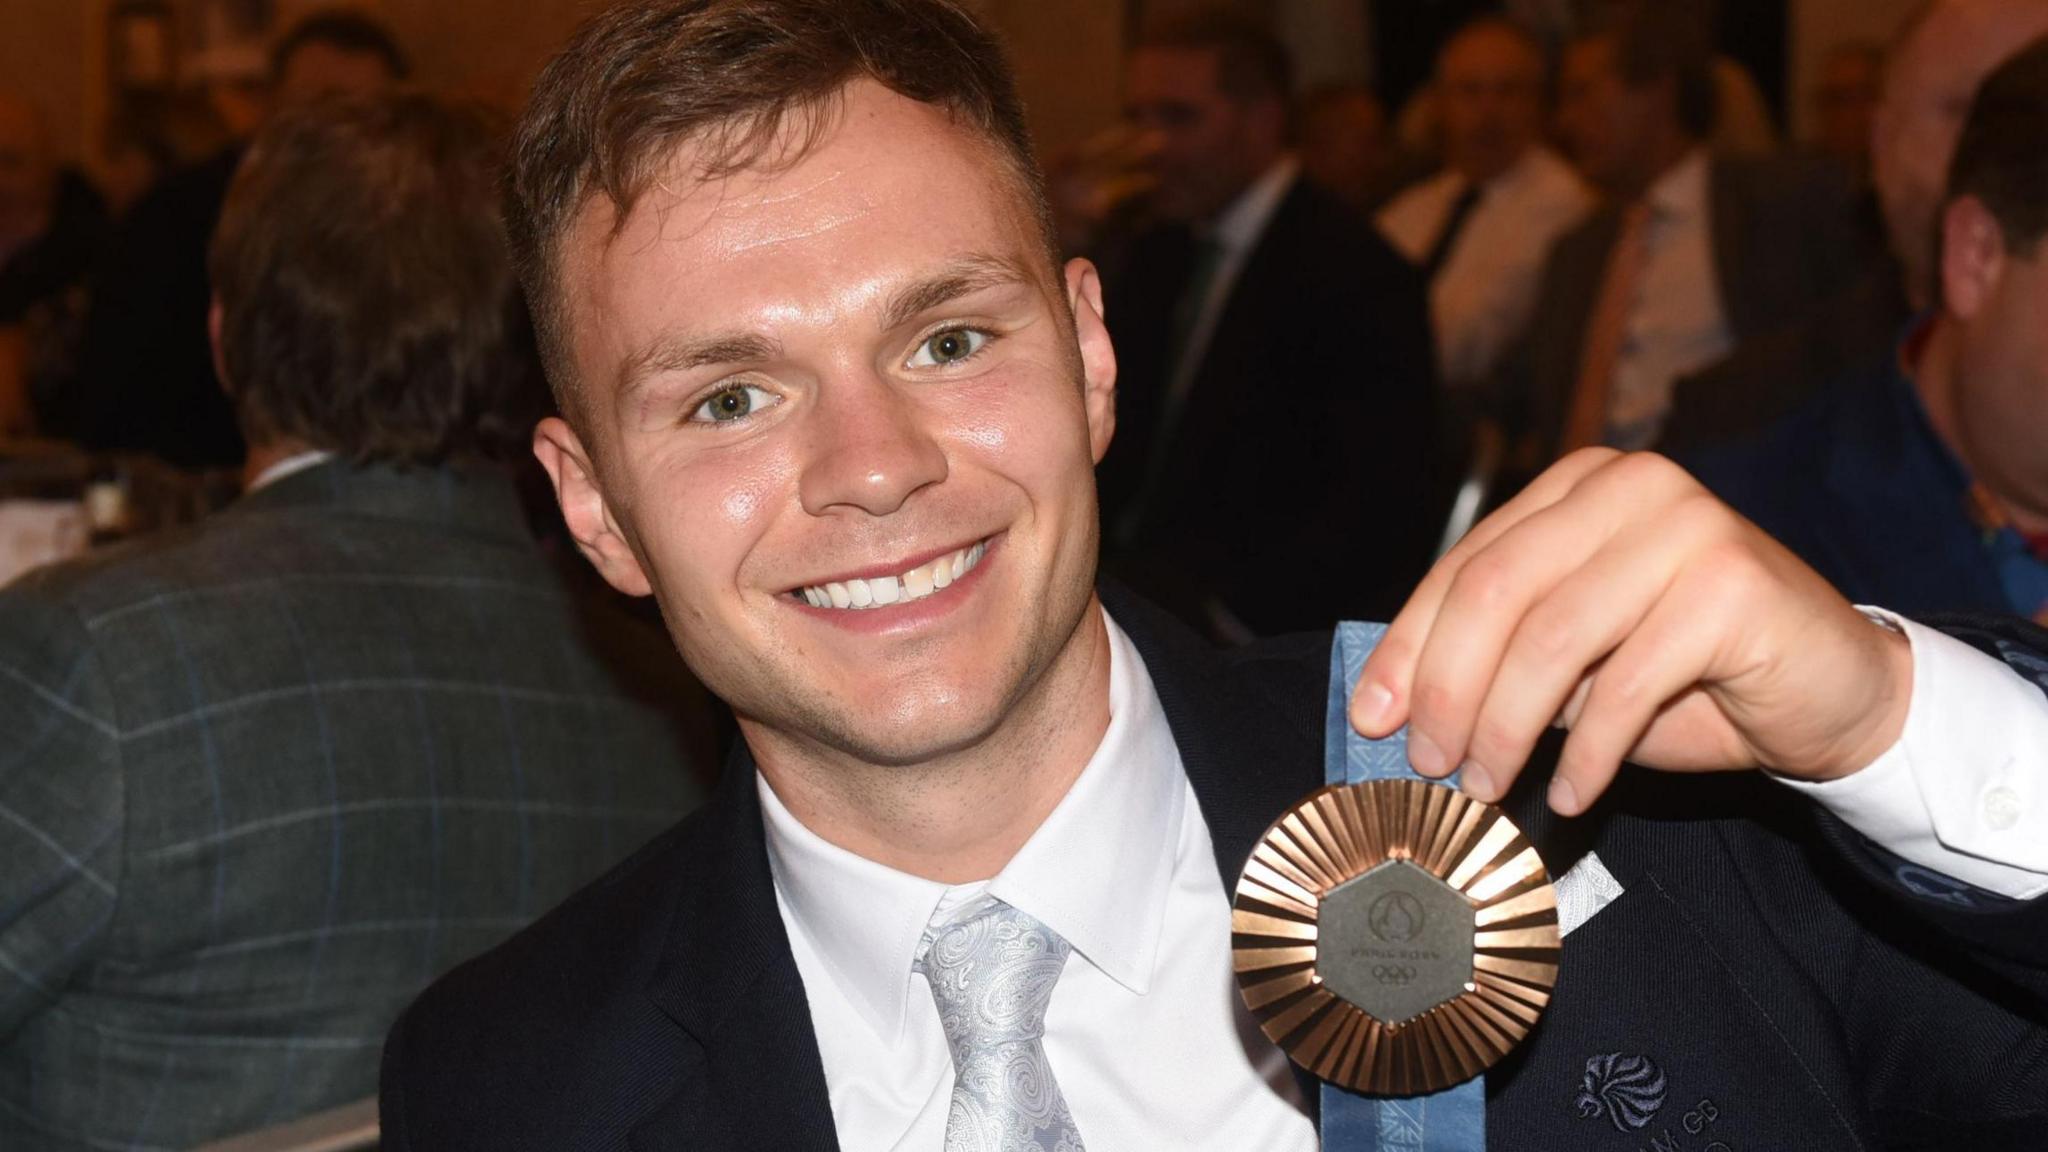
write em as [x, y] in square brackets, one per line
[1483, 294]
[1145, 1033]
[1677, 324]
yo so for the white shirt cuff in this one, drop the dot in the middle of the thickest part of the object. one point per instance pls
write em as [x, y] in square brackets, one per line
[1965, 790]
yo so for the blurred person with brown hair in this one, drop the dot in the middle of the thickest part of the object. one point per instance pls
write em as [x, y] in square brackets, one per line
[1248, 275]
[1918, 480]
[52, 227]
[147, 383]
[1695, 252]
[271, 773]
[1341, 136]
[1479, 230]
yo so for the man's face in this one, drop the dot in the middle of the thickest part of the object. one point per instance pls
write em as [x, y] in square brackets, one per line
[316, 70]
[848, 380]
[1928, 87]
[1490, 97]
[1202, 146]
[1607, 124]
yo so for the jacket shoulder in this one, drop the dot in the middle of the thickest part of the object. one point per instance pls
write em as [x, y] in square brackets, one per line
[527, 1045]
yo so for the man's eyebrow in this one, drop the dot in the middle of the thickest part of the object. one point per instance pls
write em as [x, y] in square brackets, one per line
[967, 275]
[680, 354]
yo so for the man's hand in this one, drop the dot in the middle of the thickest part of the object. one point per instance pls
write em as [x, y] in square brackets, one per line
[1616, 597]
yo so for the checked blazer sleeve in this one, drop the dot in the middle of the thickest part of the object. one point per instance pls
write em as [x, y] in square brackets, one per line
[61, 803]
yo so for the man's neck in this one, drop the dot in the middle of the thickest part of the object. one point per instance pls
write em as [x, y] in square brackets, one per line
[1934, 377]
[959, 817]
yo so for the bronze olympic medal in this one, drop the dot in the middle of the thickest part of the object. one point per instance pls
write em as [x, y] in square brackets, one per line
[1395, 937]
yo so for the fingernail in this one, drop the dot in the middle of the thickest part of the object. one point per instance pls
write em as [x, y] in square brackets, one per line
[1476, 780]
[1564, 799]
[1371, 709]
[1427, 758]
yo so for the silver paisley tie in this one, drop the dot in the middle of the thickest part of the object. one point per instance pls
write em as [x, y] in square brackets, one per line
[992, 971]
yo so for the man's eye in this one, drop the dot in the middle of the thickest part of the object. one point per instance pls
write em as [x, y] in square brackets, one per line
[949, 347]
[734, 402]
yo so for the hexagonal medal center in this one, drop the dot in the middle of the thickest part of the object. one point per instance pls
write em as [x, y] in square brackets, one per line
[1395, 942]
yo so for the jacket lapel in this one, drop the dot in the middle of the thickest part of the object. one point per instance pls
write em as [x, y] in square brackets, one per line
[727, 978]
[1726, 208]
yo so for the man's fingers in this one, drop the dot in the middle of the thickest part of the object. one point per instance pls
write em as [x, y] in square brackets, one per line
[1662, 661]
[1574, 628]
[1484, 606]
[1380, 703]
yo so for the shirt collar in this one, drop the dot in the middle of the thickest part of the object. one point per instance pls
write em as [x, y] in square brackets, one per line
[1097, 871]
[290, 465]
[1682, 192]
[1244, 220]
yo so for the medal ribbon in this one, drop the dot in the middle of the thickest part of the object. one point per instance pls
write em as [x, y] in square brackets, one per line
[1453, 1120]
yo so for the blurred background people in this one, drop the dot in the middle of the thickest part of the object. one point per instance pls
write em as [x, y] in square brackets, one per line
[1342, 139]
[267, 776]
[1695, 252]
[1274, 358]
[146, 382]
[52, 226]
[1923, 480]
[1479, 229]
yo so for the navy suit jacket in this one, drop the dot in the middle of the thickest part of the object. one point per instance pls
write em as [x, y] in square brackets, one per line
[1858, 486]
[1784, 984]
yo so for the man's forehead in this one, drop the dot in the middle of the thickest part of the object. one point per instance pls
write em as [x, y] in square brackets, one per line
[1959, 42]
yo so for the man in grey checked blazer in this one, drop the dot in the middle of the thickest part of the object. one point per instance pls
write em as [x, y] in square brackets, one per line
[261, 780]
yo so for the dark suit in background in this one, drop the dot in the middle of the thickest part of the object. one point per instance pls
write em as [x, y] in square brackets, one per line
[1785, 241]
[146, 381]
[1812, 990]
[265, 778]
[1304, 446]
[1859, 486]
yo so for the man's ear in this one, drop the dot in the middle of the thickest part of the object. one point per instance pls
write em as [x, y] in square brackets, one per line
[585, 509]
[1098, 358]
[1972, 255]
[216, 319]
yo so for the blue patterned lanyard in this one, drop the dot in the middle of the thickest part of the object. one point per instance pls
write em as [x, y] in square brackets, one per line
[1453, 1120]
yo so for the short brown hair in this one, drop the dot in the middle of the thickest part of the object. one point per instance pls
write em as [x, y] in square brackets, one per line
[647, 76]
[368, 301]
[1999, 158]
[1657, 40]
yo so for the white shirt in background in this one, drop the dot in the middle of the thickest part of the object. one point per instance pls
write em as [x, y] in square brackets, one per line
[1483, 295]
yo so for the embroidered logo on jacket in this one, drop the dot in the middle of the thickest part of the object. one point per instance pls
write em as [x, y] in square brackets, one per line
[1628, 1090]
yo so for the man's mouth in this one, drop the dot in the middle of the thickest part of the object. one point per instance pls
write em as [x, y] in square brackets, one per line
[855, 594]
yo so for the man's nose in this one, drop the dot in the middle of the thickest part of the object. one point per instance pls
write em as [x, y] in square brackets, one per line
[869, 447]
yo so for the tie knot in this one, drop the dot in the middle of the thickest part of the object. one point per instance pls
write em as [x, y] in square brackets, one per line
[992, 970]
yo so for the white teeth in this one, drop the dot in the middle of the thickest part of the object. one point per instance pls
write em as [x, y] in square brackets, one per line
[915, 584]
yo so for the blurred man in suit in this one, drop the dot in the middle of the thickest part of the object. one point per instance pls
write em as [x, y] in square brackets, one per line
[1254, 285]
[52, 225]
[832, 396]
[268, 775]
[1924, 481]
[1479, 230]
[146, 380]
[1695, 253]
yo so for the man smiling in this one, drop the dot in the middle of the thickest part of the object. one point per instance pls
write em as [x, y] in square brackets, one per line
[791, 268]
